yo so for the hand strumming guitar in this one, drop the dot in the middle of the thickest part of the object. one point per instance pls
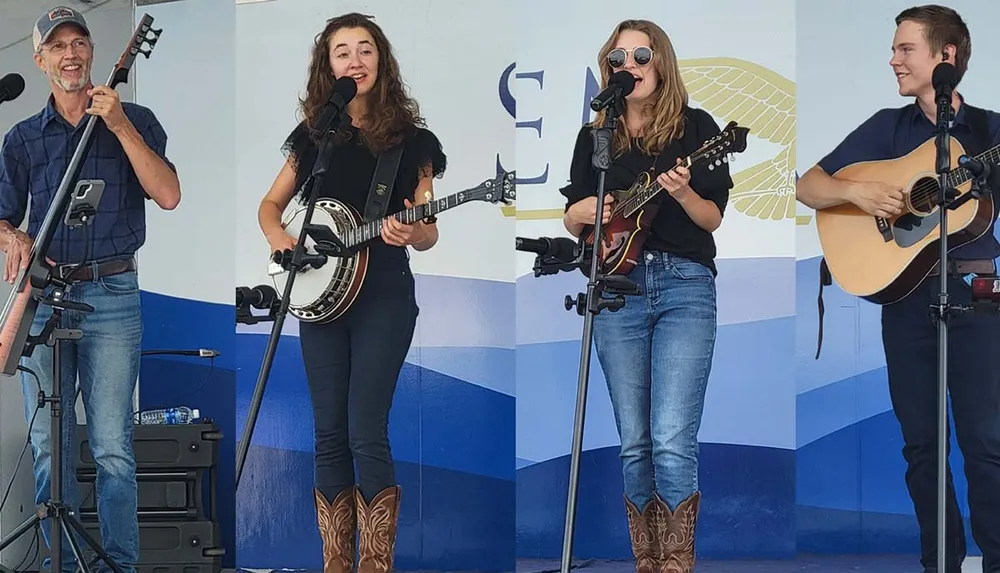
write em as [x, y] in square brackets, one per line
[584, 211]
[876, 198]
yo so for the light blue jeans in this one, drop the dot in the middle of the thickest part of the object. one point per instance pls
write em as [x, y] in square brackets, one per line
[656, 353]
[107, 360]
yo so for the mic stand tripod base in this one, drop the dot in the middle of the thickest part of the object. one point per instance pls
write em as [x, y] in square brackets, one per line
[63, 518]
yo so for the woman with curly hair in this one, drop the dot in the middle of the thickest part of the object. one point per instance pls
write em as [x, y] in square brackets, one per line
[352, 364]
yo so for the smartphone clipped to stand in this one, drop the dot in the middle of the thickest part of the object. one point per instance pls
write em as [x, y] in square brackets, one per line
[83, 204]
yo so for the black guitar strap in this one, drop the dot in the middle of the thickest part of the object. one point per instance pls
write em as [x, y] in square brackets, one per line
[980, 143]
[382, 183]
[980, 129]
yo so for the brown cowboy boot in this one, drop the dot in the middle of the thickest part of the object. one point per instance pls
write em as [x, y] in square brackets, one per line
[675, 532]
[336, 528]
[644, 542]
[377, 523]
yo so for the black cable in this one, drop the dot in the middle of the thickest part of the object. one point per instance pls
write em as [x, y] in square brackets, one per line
[27, 441]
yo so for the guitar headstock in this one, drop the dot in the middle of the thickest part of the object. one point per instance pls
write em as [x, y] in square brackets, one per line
[140, 37]
[500, 189]
[719, 149]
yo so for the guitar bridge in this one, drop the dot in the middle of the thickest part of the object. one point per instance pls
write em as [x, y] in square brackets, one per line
[884, 228]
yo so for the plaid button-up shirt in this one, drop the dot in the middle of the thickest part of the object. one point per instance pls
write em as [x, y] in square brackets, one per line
[34, 157]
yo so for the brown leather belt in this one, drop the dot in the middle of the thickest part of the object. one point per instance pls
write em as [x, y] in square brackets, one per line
[959, 267]
[86, 272]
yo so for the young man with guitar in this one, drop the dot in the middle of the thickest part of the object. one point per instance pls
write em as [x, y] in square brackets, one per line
[656, 351]
[128, 153]
[925, 36]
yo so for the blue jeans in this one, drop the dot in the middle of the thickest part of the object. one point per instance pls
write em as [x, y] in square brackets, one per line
[656, 353]
[107, 360]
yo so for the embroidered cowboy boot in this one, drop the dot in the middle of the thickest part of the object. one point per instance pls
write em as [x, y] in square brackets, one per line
[377, 524]
[644, 541]
[336, 528]
[675, 532]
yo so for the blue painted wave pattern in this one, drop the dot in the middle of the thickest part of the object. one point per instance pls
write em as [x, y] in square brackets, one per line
[451, 429]
[172, 323]
[747, 472]
[851, 493]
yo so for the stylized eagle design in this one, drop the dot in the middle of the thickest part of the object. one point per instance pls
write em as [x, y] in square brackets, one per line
[763, 101]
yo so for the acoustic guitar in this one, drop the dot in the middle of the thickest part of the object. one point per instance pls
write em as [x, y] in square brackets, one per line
[883, 260]
[623, 237]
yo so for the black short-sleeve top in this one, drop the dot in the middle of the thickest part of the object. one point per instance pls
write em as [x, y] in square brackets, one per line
[672, 229]
[352, 166]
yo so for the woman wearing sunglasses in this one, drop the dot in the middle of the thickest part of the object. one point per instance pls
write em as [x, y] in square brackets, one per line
[352, 364]
[656, 352]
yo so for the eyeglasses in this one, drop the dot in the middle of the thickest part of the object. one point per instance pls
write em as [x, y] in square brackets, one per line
[642, 55]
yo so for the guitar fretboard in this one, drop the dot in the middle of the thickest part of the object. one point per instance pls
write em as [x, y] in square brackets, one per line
[373, 229]
[642, 196]
[961, 175]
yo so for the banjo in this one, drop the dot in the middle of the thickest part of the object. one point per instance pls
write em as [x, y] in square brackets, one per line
[324, 294]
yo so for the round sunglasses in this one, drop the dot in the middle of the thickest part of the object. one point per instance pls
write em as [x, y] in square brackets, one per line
[642, 55]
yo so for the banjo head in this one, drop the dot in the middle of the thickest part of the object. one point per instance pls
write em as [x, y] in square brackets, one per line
[318, 295]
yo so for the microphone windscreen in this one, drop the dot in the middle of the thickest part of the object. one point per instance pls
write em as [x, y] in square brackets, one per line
[624, 80]
[11, 86]
[346, 87]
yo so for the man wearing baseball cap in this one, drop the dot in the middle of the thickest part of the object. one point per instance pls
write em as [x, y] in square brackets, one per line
[127, 153]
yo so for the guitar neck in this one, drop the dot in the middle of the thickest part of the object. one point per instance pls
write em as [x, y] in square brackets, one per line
[373, 229]
[961, 175]
[644, 195]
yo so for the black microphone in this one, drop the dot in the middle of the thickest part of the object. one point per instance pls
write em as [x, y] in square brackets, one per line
[944, 79]
[11, 86]
[620, 84]
[559, 248]
[260, 296]
[344, 90]
[976, 167]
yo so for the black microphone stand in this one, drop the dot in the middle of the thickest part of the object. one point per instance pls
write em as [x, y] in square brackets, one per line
[944, 309]
[298, 259]
[589, 306]
[64, 519]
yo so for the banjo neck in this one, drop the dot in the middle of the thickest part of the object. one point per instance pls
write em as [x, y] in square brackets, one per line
[373, 229]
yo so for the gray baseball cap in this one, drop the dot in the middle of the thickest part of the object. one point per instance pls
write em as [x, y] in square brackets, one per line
[53, 19]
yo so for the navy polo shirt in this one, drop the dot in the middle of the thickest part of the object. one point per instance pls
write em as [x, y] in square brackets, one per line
[34, 157]
[894, 132]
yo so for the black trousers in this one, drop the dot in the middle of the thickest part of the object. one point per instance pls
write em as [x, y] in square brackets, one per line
[352, 366]
[910, 337]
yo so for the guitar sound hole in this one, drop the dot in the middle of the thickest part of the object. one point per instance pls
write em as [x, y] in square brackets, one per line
[923, 196]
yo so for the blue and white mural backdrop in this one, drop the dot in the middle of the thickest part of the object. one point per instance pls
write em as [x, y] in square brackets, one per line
[738, 62]
[851, 488]
[452, 423]
[186, 265]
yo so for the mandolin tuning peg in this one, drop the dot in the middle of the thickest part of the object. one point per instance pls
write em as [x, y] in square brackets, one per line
[156, 31]
[146, 53]
[711, 167]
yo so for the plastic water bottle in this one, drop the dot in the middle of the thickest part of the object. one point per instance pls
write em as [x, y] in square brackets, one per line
[177, 415]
